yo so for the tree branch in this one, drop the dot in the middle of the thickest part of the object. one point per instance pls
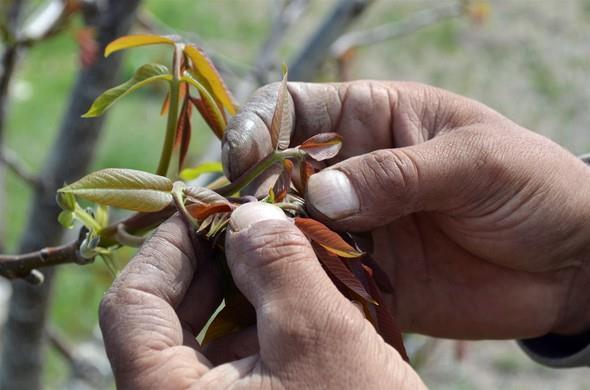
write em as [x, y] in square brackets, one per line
[19, 266]
[11, 160]
[396, 29]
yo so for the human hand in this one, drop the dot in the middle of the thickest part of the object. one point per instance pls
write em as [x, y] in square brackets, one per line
[307, 334]
[480, 223]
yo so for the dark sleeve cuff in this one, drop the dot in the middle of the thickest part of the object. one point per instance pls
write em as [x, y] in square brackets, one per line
[559, 351]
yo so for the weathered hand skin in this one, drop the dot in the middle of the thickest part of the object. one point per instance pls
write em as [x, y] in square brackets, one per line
[307, 335]
[481, 223]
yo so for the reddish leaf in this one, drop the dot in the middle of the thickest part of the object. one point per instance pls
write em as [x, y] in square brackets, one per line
[283, 183]
[305, 172]
[200, 212]
[280, 127]
[210, 115]
[210, 77]
[386, 324]
[341, 272]
[183, 131]
[320, 233]
[165, 104]
[381, 278]
[322, 146]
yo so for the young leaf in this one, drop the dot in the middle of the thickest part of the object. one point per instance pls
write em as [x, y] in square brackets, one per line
[283, 183]
[340, 271]
[203, 66]
[211, 115]
[66, 219]
[144, 75]
[305, 172]
[207, 106]
[386, 324]
[124, 188]
[66, 201]
[282, 119]
[203, 196]
[183, 131]
[322, 146]
[237, 314]
[201, 212]
[129, 41]
[206, 167]
[320, 233]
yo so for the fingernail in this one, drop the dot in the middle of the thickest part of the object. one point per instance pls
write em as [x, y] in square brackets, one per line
[250, 213]
[331, 193]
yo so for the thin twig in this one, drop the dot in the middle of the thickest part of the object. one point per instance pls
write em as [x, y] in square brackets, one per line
[20, 266]
[396, 29]
[12, 161]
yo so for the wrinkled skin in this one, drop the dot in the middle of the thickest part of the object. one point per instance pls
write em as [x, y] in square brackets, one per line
[479, 223]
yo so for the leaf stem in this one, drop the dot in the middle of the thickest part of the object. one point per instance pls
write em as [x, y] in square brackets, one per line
[170, 129]
[258, 169]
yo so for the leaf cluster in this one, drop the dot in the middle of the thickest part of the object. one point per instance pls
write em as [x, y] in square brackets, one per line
[207, 210]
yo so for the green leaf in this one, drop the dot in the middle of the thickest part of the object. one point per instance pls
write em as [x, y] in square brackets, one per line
[282, 119]
[146, 74]
[207, 106]
[129, 41]
[66, 219]
[206, 167]
[66, 201]
[124, 188]
[202, 65]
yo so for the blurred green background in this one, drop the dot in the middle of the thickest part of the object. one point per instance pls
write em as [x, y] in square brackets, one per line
[530, 60]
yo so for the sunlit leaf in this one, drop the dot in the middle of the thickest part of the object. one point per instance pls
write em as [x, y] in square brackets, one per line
[203, 196]
[322, 146]
[206, 167]
[129, 41]
[66, 219]
[201, 212]
[340, 271]
[207, 106]
[124, 188]
[386, 323]
[146, 74]
[282, 119]
[320, 233]
[203, 66]
[183, 131]
[283, 183]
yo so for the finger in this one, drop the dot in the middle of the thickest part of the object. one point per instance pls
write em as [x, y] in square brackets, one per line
[142, 333]
[299, 311]
[445, 173]
[234, 346]
[370, 115]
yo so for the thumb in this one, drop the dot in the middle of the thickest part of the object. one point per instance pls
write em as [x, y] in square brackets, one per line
[274, 266]
[371, 190]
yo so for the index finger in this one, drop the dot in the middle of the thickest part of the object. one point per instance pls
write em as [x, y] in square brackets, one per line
[142, 331]
[370, 115]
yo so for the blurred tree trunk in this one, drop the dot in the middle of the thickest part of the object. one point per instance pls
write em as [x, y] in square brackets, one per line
[12, 11]
[22, 345]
